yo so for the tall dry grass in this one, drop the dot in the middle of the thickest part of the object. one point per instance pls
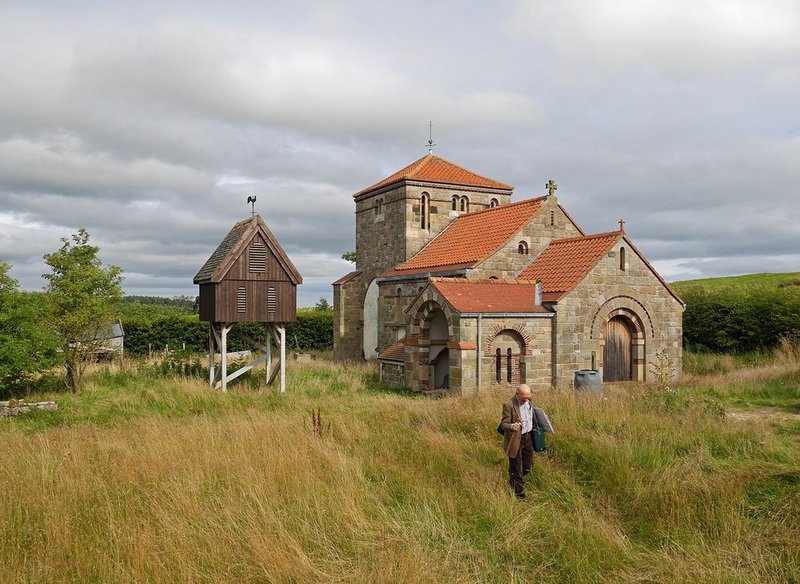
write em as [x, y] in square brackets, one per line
[149, 479]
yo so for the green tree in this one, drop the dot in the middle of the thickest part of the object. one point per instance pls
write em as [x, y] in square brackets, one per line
[323, 305]
[26, 345]
[349, 256]
[83, 295]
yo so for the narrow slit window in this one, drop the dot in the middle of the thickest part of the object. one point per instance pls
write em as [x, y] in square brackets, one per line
[241, 299]
[272, 300]
[622, 259]
[258, 257]
[498, 365]
[465, 204]
[424, 211]
[509, 376]
[552, 218]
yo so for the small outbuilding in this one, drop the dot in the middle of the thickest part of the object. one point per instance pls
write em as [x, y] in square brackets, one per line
[248, 278]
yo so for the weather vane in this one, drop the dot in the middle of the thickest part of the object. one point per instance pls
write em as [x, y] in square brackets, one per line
[431, 144]
[252, 200]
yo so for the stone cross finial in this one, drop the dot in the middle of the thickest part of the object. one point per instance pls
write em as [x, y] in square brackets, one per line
[622, 225]
[551, 187]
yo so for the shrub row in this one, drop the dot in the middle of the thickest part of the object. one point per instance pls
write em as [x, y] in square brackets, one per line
[738, 320]
[312, 330]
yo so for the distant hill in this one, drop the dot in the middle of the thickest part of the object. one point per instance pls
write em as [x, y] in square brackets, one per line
[739, 314]
[790, 279]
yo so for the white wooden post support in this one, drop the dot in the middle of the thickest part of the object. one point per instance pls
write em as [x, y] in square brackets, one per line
[268, 367]
[283, 358]
[224, 357]
[211, 373]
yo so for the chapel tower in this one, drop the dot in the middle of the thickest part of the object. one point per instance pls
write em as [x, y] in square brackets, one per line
[395, 218]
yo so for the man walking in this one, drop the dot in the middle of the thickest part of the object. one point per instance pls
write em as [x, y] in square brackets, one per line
[517, 423]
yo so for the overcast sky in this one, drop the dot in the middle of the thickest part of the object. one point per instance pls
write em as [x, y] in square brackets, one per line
[150, 125]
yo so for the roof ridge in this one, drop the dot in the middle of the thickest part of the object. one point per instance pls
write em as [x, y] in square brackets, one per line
[413, 170]
[506, 206]
[585, 237]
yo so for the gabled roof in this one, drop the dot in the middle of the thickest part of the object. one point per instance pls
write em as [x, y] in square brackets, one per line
[489, 296]
[433, 169]
[233, 246]
[394, 352]
[470, 238]
[565, 262]
[347, 277]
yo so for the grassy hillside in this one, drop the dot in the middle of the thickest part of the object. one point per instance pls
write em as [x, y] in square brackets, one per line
[791, 279]
[740, 314]
[148, 478]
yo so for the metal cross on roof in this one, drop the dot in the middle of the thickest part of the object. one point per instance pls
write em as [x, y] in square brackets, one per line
[430, 138]
[551, 187]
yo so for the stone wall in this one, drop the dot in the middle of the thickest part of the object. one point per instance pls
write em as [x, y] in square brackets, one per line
[393, 373]
[531, 355]
[347, 320]
[549, 223]
[395, 298]
[606, 291]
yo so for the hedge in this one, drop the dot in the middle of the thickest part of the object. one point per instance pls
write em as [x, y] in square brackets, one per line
[312, 330]
[739, 320]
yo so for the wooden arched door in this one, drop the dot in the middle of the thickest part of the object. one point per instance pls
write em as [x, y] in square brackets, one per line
[617, 352]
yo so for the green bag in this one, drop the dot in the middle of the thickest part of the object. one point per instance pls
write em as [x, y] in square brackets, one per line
[539, 444]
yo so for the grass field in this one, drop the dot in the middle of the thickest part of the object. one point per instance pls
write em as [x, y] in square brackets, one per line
[747, 280]
[143, 477]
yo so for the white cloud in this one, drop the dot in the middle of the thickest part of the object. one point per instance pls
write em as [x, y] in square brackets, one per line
[678, 37]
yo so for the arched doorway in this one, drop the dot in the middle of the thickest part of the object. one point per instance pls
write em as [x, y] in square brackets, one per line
[439, 354]
[618, 350]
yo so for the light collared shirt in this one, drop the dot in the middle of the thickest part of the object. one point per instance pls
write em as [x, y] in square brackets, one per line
[526, 413]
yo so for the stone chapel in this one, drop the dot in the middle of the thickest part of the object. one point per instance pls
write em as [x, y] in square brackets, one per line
[457, 287]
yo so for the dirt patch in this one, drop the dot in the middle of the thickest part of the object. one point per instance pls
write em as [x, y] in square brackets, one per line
[765, 414]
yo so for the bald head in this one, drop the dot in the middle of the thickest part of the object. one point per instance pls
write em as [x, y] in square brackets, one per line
[523, 393]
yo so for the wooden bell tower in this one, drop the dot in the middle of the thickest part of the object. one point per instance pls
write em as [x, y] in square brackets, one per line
[248, 278]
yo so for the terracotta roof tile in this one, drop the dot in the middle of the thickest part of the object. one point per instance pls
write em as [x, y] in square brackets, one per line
[394, 352]
[471, 238]
[489, 296]
[565, 262]
[431, 168]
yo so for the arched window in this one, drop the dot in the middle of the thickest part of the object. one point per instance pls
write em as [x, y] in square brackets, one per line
[622, 259]
[494, 203]
[424, 211]
[454, 203]
[498, 365]
[509, 376]
[465, 204]
[522, 248]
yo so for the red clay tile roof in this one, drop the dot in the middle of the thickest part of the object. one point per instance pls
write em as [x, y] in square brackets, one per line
[470, 238]
[394, 352]
[347, 277]
[489, 296]
[565, 262]
[431, 168]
